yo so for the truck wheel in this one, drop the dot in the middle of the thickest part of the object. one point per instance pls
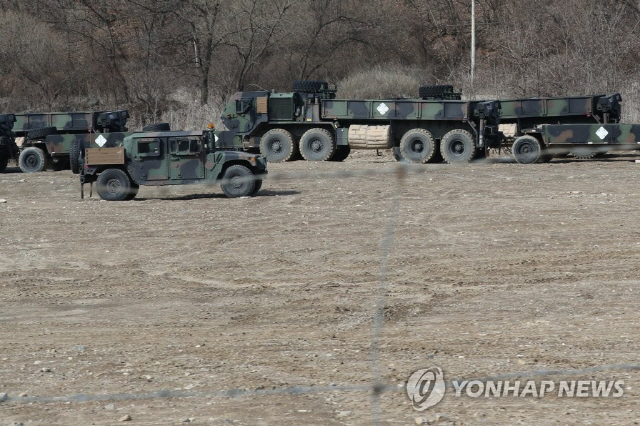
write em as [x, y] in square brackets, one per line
[342, 152]
[77, 148]
[584, 153]
[41, 133]
[277, 146]
[32, 160]
[417, 146]
[157, 127]
[317, 145]
[113, 185]
[238, 182]
[458, 146]
[256, 187]
[526, 150]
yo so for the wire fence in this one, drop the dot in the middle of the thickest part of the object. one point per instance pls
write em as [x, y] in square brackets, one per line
[378, 386]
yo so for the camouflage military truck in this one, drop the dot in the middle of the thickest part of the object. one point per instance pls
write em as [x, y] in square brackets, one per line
[310, 122]
[56, 138]
[8, 148]
[583, 139]
[524, 115]
[170, 158]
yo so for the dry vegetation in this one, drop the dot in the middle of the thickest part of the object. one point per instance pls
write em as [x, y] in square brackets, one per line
[165, 59]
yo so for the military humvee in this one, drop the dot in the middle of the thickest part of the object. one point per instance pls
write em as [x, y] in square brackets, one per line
[170, 158]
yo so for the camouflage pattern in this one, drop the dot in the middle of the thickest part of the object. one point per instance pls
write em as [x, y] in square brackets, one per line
[528, 113]
[618, 136]
[72, 122]
[175, 158]
[60, 145]
[248, 115]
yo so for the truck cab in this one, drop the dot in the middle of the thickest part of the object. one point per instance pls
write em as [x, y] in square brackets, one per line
[170, 158]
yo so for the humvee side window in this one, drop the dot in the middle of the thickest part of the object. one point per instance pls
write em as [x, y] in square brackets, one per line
[243, 105]
[149, 147]
[184, 146]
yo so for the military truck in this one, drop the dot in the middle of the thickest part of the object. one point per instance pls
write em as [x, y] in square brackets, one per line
[49, 138]
[8, 147]
[578, 138]
[310, 122]
[525, 115]
[170, 158]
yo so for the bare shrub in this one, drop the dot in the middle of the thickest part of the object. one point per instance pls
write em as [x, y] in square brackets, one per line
[393, 81]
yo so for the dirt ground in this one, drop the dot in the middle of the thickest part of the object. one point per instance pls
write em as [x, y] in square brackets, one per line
[493, 268]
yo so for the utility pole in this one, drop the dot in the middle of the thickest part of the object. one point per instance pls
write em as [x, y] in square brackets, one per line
[473, 41]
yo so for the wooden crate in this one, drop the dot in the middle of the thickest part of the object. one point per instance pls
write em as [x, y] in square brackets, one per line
[98, 156]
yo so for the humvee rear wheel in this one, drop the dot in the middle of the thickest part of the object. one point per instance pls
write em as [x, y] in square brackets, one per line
[32, 160]
[317, 145]
[458, 146]
[114, 185]
[526, 150]
[277, 146]
[238, 182]
[417, 146]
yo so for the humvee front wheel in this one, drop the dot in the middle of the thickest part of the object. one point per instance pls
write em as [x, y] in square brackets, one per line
[114, 185]
[32, 160]
[238, 181]
[277, 146]
[257, 186]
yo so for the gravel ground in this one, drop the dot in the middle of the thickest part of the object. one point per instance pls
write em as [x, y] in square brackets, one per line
[493, 268]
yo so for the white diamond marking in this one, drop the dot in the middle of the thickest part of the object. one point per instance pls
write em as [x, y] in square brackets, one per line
[602, 133]
[383, 108]
[101, 140]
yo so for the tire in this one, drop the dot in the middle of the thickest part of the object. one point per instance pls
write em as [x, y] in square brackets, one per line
[458, 146]
[417, 146]
[584, 153]
[341, 154]
[234, 189]
[526, 150]
[114, 185]
[317, 145]
[41, 133]
[277, 146]
[309, 86]
[257, 186]
[435, 91]
[437, 155]
[4, 160]
[32, 160]
[77, 148]
[157, 127]
[133, 191]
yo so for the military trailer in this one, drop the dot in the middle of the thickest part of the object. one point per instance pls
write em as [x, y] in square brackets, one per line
[578, 138]
[49, 138]
[170, 158]
[527, 114]
[8, 147]
[310, 122]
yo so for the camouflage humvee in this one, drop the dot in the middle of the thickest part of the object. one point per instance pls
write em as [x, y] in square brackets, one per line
[583, 140]
[56, 138]
[170, 158]
[8, 148]
[310, 122]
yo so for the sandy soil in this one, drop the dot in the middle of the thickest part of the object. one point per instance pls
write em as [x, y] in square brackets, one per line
[494, 268]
